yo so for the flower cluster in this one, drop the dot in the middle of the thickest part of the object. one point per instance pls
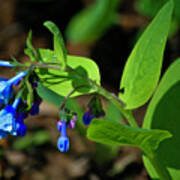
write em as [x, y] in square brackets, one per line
[15, 106]
[18, 106]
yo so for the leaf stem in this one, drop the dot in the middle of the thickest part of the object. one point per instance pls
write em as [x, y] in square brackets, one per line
[116, 101]
[160, 170]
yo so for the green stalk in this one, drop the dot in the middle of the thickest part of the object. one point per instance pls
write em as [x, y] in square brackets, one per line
[160, 170]
[111, 97]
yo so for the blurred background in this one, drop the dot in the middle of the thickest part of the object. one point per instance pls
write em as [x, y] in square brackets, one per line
[104, 30]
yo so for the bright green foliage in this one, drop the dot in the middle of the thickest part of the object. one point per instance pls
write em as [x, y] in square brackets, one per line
[63, 82]
[113, 114]
[30, 50]
[164, 113]
[143, 67]
[113, 133]
[30, 96]
[59, 46]
[91, 23]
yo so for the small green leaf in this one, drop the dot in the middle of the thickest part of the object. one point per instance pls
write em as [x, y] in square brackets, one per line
[142, 70]
[91, 23]
[47, 55]
[30, 50]
[63, 82]
[112, 133]
[30, 95]
[59, 46]
[164, 113]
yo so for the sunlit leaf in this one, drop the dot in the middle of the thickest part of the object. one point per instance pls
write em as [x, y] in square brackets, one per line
[59, 46]
[113, 133]
[143, 67]
[63, 82]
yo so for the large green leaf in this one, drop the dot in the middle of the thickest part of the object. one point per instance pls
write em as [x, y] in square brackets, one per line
[164, 113]
[113, 133]
[142, 70]
[59, 46]
[63, 82]
[92, 22]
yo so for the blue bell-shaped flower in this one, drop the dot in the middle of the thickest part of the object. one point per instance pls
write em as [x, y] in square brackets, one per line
[7, 118]
[21, 128]
[63, 141]
[87, 117]
[3, 134]
[6, 63]
[6, 87]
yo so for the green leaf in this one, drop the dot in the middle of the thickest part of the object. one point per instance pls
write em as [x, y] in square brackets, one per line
[92, 22]
[30, 50]
[113, 133]
[113, 114]
[63, 82]
[59, 46]
[164, 113]
[143, 68]
[47, 55]
[30, 95]
[49, 96]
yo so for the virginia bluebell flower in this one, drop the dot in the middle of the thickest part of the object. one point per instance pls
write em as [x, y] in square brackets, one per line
[35, 108]
[63, 141]
[21, 128]
[71, 123]
[6, 64]
[3, 134]
[87, 117]
[95, 110]
[7, 118]
[6, 87]
[59, 125]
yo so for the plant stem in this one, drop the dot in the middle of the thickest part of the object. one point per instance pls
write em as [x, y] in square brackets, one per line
[160, 170]
[115, 100]
[111, 97]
